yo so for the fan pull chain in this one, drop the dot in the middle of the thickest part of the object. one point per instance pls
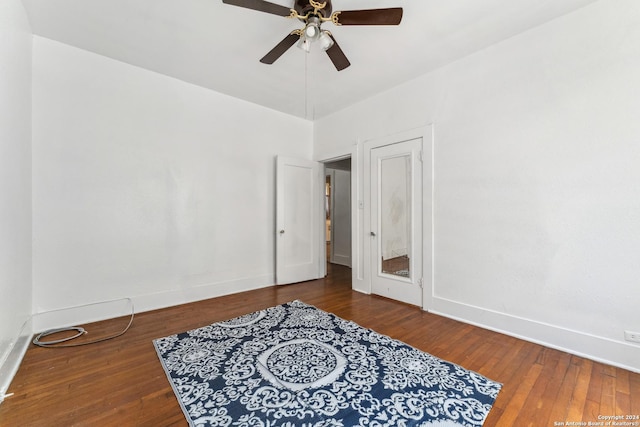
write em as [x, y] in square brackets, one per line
[306, 88]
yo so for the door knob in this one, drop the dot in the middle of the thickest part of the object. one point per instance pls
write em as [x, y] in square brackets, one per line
[281, 231]
[373, 234]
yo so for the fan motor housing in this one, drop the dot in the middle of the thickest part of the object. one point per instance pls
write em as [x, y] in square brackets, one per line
[304, 6]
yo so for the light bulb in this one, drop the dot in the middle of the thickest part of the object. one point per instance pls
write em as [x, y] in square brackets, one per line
[311, 32]
[312, 29]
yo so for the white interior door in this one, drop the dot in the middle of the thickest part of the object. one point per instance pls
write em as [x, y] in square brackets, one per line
[299, 216]
[396, 221]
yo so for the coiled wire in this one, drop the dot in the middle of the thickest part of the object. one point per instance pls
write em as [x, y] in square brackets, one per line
[79, 332]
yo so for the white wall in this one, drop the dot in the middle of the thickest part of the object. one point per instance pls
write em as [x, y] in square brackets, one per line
[537, 184]
[148, 187]
[15, 182]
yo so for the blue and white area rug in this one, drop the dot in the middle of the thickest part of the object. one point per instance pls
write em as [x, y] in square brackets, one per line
[294, 365]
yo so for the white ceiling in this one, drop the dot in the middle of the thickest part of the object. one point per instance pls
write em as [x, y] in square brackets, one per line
[218, 46]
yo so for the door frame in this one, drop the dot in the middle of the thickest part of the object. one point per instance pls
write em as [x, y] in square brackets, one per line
[426, 133]
[331, 173]
[356, 254]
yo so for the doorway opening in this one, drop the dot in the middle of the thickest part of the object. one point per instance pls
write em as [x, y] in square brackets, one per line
[337, 203]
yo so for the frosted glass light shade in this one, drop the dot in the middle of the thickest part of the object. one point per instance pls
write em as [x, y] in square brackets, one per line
[304, 44]
[325, 41]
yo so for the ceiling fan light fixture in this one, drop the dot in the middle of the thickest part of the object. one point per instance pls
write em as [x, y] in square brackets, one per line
[325, 41]
[312, 29]
[313, 13]
[304, 44]
[311, 32]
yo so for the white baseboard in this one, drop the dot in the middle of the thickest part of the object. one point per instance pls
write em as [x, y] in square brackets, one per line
[199, 293]
[361, 287]
[341, 260]
[75, 316]
[616, 353]
[14, 354]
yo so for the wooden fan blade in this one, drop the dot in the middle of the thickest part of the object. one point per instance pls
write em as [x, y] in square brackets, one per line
[391, 16]
[337, 56]
[280, 48]
[260, 5]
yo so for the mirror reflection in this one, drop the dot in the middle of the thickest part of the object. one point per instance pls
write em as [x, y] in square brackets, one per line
[395, 215]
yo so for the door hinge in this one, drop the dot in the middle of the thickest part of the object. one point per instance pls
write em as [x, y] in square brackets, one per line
[420, 156]
[421, 282]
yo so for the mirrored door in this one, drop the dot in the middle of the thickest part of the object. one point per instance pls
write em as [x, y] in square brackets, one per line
[396, 221]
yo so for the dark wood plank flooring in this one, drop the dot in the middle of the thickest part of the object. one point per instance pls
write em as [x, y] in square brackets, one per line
[121, 382]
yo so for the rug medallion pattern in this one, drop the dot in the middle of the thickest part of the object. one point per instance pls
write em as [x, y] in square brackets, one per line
[294, 365]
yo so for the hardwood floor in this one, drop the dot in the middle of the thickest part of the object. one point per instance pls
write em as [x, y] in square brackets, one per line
[121, 382]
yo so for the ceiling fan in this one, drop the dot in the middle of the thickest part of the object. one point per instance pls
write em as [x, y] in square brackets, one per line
[313, 14]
